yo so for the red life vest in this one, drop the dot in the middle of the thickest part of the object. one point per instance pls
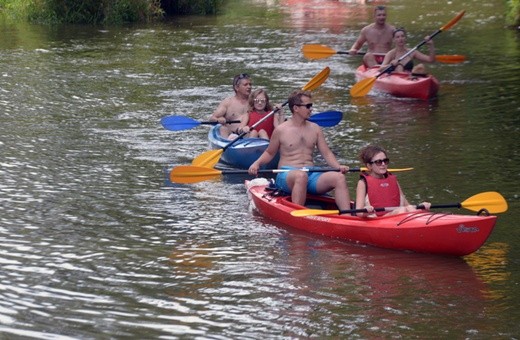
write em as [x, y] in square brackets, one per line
[382, 192]
[267, 125]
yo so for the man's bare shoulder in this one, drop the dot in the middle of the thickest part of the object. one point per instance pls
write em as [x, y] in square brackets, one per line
[389, 27]
[227, 101]
[368, 27]
[315, 128]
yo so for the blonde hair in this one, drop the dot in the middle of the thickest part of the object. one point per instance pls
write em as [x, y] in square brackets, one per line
[253, 95]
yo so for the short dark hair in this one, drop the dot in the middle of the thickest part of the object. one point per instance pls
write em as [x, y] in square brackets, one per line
[295, 98]
[368, 152]
[400, 29]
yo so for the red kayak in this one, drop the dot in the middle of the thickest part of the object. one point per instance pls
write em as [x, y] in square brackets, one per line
[401, 84]
[420, 231]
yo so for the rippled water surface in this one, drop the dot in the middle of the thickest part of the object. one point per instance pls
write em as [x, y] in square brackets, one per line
[94, 239]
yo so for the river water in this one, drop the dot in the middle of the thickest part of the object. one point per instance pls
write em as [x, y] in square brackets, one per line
[96, 242]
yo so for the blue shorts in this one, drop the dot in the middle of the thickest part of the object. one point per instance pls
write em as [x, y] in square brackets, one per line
[281, 180]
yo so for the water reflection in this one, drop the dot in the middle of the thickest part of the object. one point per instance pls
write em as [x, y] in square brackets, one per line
[332, 15]
[366, 285]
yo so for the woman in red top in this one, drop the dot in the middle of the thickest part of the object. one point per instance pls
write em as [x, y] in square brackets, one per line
[379, 188]
[259, 106]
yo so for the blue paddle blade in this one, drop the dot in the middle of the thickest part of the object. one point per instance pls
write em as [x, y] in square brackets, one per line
[327, 118]
[177, 123]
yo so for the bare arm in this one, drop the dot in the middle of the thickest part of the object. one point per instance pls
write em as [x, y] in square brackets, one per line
[360, 41]
[389, 57]
[244, 121]
[426, 58]
[327, 154]
[219, 115]
[404, 201]
[325, 151]
[361, 191]
[268, 154]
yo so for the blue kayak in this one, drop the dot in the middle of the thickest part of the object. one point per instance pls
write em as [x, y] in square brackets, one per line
[242, 153]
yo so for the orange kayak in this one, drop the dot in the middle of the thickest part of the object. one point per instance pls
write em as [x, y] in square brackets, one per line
[401, 84]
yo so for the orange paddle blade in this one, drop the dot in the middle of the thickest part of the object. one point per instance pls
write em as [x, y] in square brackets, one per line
[317, 80]
[492, 201]
[361, 88]
[208, 159]
[450, 58]
[193, 174]
[452, 21]
[313, 51]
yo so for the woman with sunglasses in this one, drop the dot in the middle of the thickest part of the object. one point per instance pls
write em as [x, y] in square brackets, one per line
[259, 106]
[379, 188]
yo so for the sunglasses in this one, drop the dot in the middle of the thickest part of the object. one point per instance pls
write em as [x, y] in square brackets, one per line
[240, 77]
[308, 106]
[259, 100]
[380, 161]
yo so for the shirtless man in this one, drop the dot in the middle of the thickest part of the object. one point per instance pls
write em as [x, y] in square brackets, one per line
[378, 36]
[295, 140]
[233, 107]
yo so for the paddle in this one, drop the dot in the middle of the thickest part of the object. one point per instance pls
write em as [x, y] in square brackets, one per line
[362, 87]
[491, 201]
[194, 174]
[178, 123]
[313, 51]
[327, 118]
[210, 158]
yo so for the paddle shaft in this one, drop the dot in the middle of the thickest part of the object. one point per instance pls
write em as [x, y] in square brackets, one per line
[316, 79]
[491, 201]
[227, 122]
[253, 126]
[211, 158]
[419, 206]
[444, 58]
[314, 51]
[445, 27]
[275, 171]
[312, 169]
[362, 87]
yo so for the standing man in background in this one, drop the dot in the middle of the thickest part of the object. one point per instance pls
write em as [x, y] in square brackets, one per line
[378, 36]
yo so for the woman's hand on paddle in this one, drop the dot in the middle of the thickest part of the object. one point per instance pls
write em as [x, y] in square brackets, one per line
[426, 205]
[244, 129]
[343, 169]
[370, 210]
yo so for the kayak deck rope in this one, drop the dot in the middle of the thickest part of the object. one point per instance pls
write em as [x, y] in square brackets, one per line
[433, 217]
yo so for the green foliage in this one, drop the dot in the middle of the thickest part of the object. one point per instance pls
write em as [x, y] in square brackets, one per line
[104, 11]
[513, 14]
[83, 11]
[195, 6]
